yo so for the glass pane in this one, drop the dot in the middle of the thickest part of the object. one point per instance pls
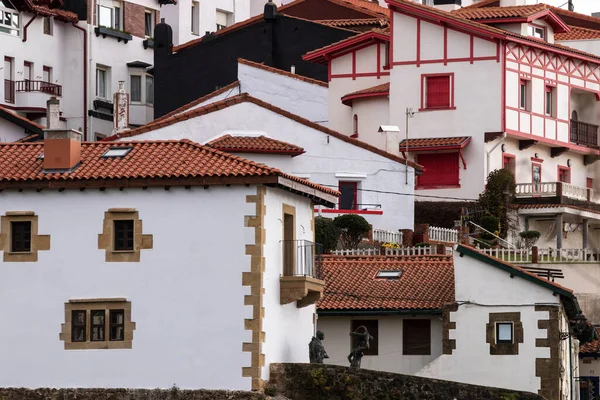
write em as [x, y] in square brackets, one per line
[116, 333]
[148, 23]
[105, 16]
[116, 317]
[78, 334]
[97, 334]
[98, 318]
[136, 88]
[118, 18]
[101, 83]
[504, 332]
[149, 89]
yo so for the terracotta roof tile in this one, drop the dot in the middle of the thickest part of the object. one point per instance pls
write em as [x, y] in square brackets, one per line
[254, 144]
[427, 282]
[459, 141]
[282, 72]
[379, 90]
[245, 97]
[542, 206]
[578, 33]
[150, 160]
[377, 22]
[591, 348]
[365, 5]
[485, 3]
[500, 12]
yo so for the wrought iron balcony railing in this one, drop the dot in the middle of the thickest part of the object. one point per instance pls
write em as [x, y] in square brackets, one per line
[38, 86]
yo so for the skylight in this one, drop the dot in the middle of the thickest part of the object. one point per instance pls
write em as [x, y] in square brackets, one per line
[116, 152]
[389, 274]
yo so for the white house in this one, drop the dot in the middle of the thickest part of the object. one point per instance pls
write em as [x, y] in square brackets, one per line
[375, 184]
[151, 264]
[79, 51]
[467, 318]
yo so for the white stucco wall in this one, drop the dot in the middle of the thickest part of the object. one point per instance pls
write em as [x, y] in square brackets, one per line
[10, 132]
[589, 46]
[327, 159]
[390, 359]
[186, 293]
[372, 113]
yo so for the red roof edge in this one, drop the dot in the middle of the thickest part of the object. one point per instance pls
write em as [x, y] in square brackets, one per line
[323, 54]
[349, 98]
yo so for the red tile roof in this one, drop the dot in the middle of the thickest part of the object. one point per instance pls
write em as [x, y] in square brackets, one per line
[46, 9]
[365, 6]
[319, 55]
[500, 12]
[542, 206]
[375, 91]
[167, 163]
[578, 33]
[437, 143]
[243, 98]
[254, 144]
[426, 283]
[282, 72]
[485, 3]
[591, 348]
[377, 22]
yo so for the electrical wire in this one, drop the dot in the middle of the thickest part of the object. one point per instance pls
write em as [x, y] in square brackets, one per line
[405, 194]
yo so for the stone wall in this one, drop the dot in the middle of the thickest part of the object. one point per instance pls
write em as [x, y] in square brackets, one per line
[328, 382]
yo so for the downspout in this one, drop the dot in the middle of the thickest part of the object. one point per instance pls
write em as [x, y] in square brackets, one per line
[85, 83]
[26, 26]
[491, 150]
[571, 383]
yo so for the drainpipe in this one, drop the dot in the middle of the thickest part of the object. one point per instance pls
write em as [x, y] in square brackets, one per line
[571, 383]
[26, 26]
[491, 150]
[85, 83]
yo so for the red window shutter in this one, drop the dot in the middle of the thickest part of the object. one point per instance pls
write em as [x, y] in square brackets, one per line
[438, 91]
[440, 170]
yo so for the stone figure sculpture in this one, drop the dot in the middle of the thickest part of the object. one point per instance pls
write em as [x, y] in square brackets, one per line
[316, 350]
[363, 340]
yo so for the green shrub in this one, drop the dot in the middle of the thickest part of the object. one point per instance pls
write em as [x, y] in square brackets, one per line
[499, 190]
[529, 238]
[422, 245]
[353, 229]
[492, 224]
[326, 233]
[440, 213]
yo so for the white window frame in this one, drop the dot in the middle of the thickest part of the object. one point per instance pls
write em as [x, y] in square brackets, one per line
[116, 14]
[146, 95]
[227, 21]
[152, 14]
[7, 29]
[195, 18]
[143, 74]
[142, 82]
[106, 71]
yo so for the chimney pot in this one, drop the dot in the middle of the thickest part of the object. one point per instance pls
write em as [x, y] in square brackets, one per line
[270, 10]
[62, 149]
[53, 113]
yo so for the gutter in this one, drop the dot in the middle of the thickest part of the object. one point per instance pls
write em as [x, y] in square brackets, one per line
[346, 313]
[85, 80]
[487, 153]
[26, 26]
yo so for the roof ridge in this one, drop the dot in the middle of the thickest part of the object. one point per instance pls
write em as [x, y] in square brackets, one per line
[281, 72]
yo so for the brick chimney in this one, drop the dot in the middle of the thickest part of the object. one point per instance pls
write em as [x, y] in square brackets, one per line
[62, 147]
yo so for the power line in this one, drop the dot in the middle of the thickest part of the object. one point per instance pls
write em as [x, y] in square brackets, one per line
[405, 194]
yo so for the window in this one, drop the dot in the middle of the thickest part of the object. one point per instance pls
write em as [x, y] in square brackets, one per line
[9, 85]
[437, 92]
[509, 163]
[524, 91]
[349, 195]
[9, 19]
[20, 236]
[289, 240]
[195, 18]
[101, 83]
[537, 32]
[372, 326]
[27, 70]
[441, 170]
[116, 152]
[48, 26]
[149, 21]
[47, 74]
[549, 100]
[355, 126]
[110, 15]
[97, 324]
[149, 89]
[105, 16]
[123, 235]
[416, 337]
[117, 17]
[504, 332]
[564, 174]
[222, 20]
[386, 60]
[136, 88]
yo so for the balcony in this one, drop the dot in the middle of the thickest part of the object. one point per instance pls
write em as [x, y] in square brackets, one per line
[301, 268]
[38, 86]
[34, 94]
[556, 192]
[9, 91]
[584, 134]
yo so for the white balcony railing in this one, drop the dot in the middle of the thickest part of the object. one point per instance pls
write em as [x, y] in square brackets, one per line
[556, 189]
[543, 189]
[595, 196]
[549, 255]
[443, 234]
[383, 236]
[401, 251]
[574, 191]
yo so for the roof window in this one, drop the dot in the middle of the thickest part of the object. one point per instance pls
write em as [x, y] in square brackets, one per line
[116, 152]
[389, 274]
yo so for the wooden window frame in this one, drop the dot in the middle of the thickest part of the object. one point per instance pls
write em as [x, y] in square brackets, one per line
[374, 343]
[424, 78]
[354, 184]
[106, 239]
[407, 349]
[88, 306]
[563, 169]
[38, 242]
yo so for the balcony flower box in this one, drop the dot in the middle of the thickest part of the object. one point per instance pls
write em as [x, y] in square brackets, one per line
[119, 35]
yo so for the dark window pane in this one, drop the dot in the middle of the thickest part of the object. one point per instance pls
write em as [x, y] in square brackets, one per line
[98, 326]
[372, 326]
[117, 325]
[20, 236]
[349, 196]
[124, 234]
[416, 337]
[78, 325]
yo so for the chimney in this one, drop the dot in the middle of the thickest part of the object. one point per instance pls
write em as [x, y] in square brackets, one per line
[62, 147]
[53, 113]
[121, 109]
[270, 10]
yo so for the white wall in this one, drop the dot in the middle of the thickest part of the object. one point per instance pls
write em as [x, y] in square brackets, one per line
[10, 132]
[589, 46]
[372, 113]
[325, 157]
[186, 293]
[390, 358]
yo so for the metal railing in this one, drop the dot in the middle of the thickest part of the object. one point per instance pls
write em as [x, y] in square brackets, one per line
[443, 234]
[401, 251]
[38, 86]
[383, 236]
[584, 133]
[301, 258]
[9, 91]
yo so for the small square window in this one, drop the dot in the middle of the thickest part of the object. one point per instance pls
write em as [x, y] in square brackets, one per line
[124, 235]
[504, 332]
[537, 32]
[20, 236]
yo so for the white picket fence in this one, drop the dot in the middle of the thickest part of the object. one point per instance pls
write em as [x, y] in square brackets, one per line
[383, 236]
[402, 251]
[549, 255]
[443, 234]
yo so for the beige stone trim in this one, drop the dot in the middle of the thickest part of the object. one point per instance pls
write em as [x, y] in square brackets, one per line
[448, 345]
[548, 369]
[98, 304]
[106, 239]
[38, 242]
[254, 279]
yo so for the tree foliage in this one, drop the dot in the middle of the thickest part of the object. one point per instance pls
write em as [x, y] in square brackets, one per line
[500, 189]
[327, 233]
[529, 238]
[353, 229]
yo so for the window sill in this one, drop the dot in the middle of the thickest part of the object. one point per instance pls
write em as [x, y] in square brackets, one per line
[359, 212]
[124, 36]
[437, 109]
[20, 253]
[123, 251]
[437, 187]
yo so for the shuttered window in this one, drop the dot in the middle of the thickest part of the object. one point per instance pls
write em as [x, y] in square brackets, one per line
[372, 326]
[416, 337]
[438, 92]
[440, 170]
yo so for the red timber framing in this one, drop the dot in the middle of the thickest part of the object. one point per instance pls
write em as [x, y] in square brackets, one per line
[553, 70]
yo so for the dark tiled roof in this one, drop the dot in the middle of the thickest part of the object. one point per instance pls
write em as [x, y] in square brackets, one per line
[591, 348]
[254, 144]
[355, 22]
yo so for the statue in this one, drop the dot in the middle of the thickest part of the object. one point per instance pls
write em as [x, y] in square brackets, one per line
[362, 343]
[316, 350]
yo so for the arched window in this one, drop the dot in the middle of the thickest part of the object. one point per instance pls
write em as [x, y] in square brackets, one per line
[355, 126]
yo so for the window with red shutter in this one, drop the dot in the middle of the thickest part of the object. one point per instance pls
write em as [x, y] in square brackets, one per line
[440, 170]
[438, 92]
